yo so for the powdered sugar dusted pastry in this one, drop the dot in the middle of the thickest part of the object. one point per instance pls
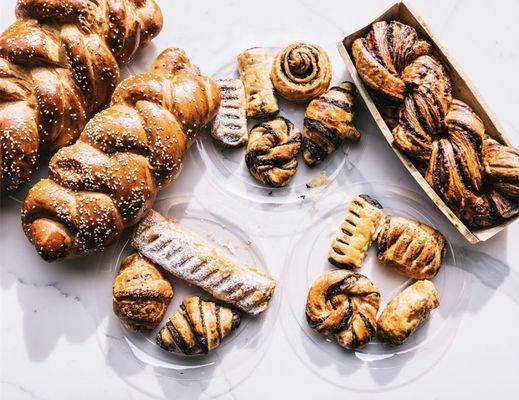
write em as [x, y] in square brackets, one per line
[407, 311]
[254, 66]
[230, 125]
[349, 248]
[191, 259]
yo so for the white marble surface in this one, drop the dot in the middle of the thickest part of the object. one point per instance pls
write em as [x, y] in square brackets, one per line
[50, 331]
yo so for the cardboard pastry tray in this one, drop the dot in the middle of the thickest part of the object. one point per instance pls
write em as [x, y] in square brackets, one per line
[462, 89]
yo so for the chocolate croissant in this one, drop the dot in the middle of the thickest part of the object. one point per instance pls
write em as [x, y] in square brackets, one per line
[412, 248]
[301, 71]
[141, 295]
[441, 134]
[198, 327]
[329, 121]
[271, 155]
[345, 305]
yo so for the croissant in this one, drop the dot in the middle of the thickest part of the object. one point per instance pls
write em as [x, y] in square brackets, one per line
[109, 178]
[328, 121]
[198, 327]
[141, 295]
[271, 155]
[59, 65]
[441, 134]
[344, 304]
[301, 71]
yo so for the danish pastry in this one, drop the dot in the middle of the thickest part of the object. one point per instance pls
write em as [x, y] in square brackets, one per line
[412, 248]
[350, 246]
[407, 311]
[272, 149]
[301, 71]
[197, 327]
[329, 121]
[141, 295]
[344, 304]
[254, 66]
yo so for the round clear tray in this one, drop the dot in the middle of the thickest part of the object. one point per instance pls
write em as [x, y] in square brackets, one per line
[377, 366]
[238, 354]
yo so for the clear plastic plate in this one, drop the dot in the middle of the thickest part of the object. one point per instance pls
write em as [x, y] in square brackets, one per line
[238, 354]
[377, 366]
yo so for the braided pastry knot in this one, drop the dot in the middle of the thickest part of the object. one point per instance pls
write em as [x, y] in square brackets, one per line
[59, 65]
[301, 71]
[441, 134]
[344, 304]
[109, 178]
[198, 327]
[271, 155]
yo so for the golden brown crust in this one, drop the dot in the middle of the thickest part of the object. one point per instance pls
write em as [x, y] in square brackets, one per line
[59, 65]
[412, 248]
[350, 246]
[198, 327]
[141, 295]
[407, 311]
[329, 121]
[109, 178]
[301, 71]
[345, 305]
[271, 155]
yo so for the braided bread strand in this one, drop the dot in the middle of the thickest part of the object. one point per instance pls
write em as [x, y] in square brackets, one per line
[59, 65]
[109, 178]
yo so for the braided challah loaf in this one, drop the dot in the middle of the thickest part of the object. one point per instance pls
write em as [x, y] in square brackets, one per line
[477, 177]
[109, 178]
[59, 65]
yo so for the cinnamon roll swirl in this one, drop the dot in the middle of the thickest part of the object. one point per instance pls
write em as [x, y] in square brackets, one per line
[301, 71]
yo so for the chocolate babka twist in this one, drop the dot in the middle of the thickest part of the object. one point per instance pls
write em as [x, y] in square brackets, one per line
[345, 305]
[198, 327]
[329, 121]
[272, 149]
[301, 71]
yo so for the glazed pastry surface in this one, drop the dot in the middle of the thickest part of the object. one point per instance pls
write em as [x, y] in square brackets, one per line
[344, 304]
[301, 71]
[254, 66]
[191, 259]
[350, 246]
[329, 121]
[271, 155]
[141, 295]
[411, 247]
[407, 311]
[198, 327]
[230, 124]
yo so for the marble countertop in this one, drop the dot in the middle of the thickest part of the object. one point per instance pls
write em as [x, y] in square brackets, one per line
[51, 343]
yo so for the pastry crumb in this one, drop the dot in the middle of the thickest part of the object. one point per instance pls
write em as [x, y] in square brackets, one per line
[321, 179]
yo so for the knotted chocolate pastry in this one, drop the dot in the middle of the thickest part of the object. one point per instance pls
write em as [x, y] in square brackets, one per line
[329, 121]
[442, 135]
[197, 327]
[141, 295]
[301, 71]
[345, 305]
[272, 149]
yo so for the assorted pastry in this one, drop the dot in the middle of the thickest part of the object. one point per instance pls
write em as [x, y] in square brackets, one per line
[477, 177]
[344, 304]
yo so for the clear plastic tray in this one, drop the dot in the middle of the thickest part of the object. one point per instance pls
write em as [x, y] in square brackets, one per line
[377, 366]
[238, 354]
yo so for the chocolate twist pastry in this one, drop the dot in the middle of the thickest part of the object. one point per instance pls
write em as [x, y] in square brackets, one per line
[198, 327]
[442, 135]
[301, 71]
[141, 295]
[272, 149]
[109, 178]
[345, 305]
[59, 65]
[329, 121]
